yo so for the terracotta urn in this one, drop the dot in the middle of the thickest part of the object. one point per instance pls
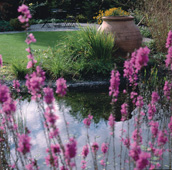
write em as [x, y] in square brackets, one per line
[126, 33]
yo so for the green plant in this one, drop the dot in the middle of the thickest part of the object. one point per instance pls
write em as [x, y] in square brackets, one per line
[86, 55]
[151, 45]
[5, 26]
[19, 68]
[16, 24]
[81, 18]
[145, 31]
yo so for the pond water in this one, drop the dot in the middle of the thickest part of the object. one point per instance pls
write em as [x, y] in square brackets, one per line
[75, 107]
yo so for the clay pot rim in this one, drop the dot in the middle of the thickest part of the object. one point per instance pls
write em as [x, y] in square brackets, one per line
[118, 18]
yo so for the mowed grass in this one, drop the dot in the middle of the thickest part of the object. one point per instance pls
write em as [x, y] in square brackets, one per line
[12, 46]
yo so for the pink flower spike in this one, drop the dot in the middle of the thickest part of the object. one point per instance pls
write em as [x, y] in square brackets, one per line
[85, 151]
[95, 147]
[114, 84]
[104, 148]
[111, 121]
[169, 39]
[141, 58]
[61, 87]
[1, 61]
[87, 121]
[71, 148]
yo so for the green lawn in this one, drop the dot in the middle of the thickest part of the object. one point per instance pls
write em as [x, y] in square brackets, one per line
[12, 46]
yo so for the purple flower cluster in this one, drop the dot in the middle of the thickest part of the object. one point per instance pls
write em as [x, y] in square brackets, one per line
[24, 143]
[61, 87]
[114, 84]
[35, 82]
[24, 18]
[87, 121]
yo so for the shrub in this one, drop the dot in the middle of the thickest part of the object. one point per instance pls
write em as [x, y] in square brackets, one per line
[81, 18]
[158, 15]
[16, 24]
[5, 26]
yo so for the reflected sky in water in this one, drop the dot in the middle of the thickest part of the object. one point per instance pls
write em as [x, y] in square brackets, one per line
[99, 131]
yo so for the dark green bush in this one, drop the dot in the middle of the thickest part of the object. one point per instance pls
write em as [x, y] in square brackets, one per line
[15, 23]
[5, 26]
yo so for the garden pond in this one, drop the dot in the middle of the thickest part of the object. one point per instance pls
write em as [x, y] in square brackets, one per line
[74, 108]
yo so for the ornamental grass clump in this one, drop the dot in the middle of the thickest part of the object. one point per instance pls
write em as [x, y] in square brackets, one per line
[62, 154]
[110, 12]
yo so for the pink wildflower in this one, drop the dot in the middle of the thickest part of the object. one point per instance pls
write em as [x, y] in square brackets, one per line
[139, 102]
[9, 107]
[16, 85]
[102, 162]
[85, 151]
[24, 18]
[124, 111]
[169, 39]
[83, 164]
[54, 133]
[30, 38]
[167, 89]
[155, 97]
[126, 142]
[48, 95]
[135, 151]
[141, 58]
[95, 147]
[114, 84]
[31, 63]
[1, 61]
[111, 121]
[87, 121]
[71, 148]
[52, 160]
[35, 82]
[129, 70]
[168, 61]
[137, 135]
[143, 161]
[104, 148]
[151, 111]
[61, 87]
[55, 148]
[133, 96]
[170, 125]
[4, 93]
[63, 168]
[24, 143]
[154, 128]
[162, 138]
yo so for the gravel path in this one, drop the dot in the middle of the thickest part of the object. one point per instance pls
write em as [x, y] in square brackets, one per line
[53, 27]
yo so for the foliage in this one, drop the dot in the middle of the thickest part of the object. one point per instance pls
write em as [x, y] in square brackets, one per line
[19, 68]
[81, 18]
[8, 9]
[145, 32]
[151, 45]
[110, 12]
[158, 15]
[5, 26]
[16, 24]
[87, 57]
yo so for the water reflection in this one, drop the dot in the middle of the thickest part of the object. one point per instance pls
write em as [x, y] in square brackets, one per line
[76, 108]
